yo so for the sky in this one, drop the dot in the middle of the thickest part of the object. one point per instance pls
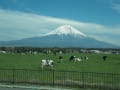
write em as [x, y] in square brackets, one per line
[99, 19]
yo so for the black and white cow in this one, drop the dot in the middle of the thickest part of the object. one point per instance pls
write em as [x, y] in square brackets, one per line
[85, 58]
[47, 63]
[74, 58]
[60, 59]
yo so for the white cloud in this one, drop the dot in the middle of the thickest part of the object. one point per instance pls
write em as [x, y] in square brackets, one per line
[17, 25]
[116, 5]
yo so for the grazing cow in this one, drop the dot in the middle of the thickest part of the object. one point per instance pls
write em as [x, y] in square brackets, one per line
[47, 63]
[72, 58]
[60, 59]
[78, 59]
[104, 58]
[85, 58]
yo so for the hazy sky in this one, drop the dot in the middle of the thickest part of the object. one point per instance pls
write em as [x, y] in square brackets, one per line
[28, 18]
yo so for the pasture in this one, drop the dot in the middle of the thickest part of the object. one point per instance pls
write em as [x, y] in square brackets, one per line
[26, 68]
[93, 64]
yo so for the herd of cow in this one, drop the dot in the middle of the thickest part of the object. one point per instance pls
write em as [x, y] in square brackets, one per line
[49, 62]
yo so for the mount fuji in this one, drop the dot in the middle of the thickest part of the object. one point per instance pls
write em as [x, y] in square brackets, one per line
[63, 36]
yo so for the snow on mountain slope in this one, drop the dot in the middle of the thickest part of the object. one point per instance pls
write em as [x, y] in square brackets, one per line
[66, 30]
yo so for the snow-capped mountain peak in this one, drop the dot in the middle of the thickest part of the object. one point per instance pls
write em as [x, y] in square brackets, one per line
[66, 30]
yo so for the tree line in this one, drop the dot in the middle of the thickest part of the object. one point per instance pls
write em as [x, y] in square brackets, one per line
[53, 50]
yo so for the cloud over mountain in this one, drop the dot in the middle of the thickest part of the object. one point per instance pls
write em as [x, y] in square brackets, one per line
[17, 25]
[63, 36]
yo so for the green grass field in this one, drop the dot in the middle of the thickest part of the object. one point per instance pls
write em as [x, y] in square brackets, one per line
[93, 64]
[27, 68]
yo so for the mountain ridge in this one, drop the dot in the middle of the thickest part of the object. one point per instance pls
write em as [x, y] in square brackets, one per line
[71, 37]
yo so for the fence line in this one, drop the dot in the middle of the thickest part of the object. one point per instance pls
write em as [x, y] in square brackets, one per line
[62, 78]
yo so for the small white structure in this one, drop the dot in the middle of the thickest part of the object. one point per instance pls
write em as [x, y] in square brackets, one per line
[96, 51]
[4, 52]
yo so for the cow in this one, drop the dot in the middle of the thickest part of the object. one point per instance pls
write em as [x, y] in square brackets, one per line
[104, 58]
[74, 58]
[78, 59]
[60, 59]
[46, 62]
[85, 58]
